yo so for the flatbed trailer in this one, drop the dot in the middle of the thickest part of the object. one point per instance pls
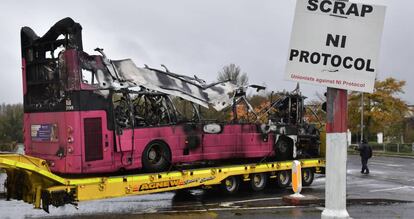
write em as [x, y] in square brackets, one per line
[30, 179]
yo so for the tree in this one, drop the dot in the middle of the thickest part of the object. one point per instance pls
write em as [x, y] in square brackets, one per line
[11, 126]
[233, 73]
[314, 113]
[383, 110]
[259, 104]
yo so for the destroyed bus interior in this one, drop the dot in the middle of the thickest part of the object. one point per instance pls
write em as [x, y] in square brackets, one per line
[89, 114]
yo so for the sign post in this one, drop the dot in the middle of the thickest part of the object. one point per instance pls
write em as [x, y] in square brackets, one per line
[336, 154]
[335, 43]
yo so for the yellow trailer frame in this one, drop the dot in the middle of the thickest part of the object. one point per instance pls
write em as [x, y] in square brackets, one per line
[30, 179]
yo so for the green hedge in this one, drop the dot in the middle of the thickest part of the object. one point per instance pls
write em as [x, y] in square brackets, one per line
[392, 147]
[10, 147]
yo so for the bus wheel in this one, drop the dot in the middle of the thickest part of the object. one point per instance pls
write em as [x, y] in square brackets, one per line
[231, 184]
[258, 181]
[307, 176]
[283, 178]
[156, 157]
[284, 148]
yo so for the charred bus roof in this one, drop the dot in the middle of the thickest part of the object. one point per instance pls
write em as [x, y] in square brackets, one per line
[46, 57]
[71, 31]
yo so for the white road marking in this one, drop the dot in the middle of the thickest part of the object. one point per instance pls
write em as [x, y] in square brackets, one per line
[150, 210]
[228, 204]
[386, 164]
[185, 211]
[355, 184]
[394, 165]
[358, 172]
[252, 208]
[391, 189]
[186, 206]
[320, 208]
[378, 163]
[223, 209]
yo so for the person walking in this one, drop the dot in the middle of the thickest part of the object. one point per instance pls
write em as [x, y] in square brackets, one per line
[365, 151]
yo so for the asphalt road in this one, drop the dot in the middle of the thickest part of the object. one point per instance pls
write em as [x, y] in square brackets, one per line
[387, 192]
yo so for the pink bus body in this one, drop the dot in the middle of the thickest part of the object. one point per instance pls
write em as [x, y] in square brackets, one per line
[88, 146]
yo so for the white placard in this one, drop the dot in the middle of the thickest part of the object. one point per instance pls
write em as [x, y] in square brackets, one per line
[335, 44]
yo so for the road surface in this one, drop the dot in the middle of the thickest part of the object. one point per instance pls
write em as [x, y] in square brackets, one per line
[388, 192]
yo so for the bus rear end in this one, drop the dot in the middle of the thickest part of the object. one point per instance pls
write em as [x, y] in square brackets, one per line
[65, 122]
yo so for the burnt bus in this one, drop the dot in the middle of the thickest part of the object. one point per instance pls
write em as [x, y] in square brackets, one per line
[88, 114]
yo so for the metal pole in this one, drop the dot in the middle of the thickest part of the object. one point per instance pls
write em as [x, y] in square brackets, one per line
[336, 154]
[362, 116]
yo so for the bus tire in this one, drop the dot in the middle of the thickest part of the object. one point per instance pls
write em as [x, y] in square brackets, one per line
[284, 148]
[156, 157]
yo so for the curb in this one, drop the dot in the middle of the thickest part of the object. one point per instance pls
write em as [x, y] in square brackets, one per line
[300, 201]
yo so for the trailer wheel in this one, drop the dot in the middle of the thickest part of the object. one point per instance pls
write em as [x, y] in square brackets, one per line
[283, 178]
[307, 176]
[258, 181]
[230, 185]
[284, 148]
[156, 157]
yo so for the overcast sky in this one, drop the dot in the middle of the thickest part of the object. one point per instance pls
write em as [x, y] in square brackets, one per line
[194, 37]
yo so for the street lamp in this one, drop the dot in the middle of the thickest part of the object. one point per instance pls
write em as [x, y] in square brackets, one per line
[362, 116]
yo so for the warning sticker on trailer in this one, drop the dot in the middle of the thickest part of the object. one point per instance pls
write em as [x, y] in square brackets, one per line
[44, 132]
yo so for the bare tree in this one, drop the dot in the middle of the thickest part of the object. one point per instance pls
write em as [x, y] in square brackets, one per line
[233, 73]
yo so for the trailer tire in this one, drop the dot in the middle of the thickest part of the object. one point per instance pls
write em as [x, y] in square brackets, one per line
[231, 185]
[308, 174]
[258, 181]
[284, 148]
[156, 157]
[284, 178]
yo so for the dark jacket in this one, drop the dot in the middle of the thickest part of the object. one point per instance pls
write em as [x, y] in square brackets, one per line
[365, 151]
